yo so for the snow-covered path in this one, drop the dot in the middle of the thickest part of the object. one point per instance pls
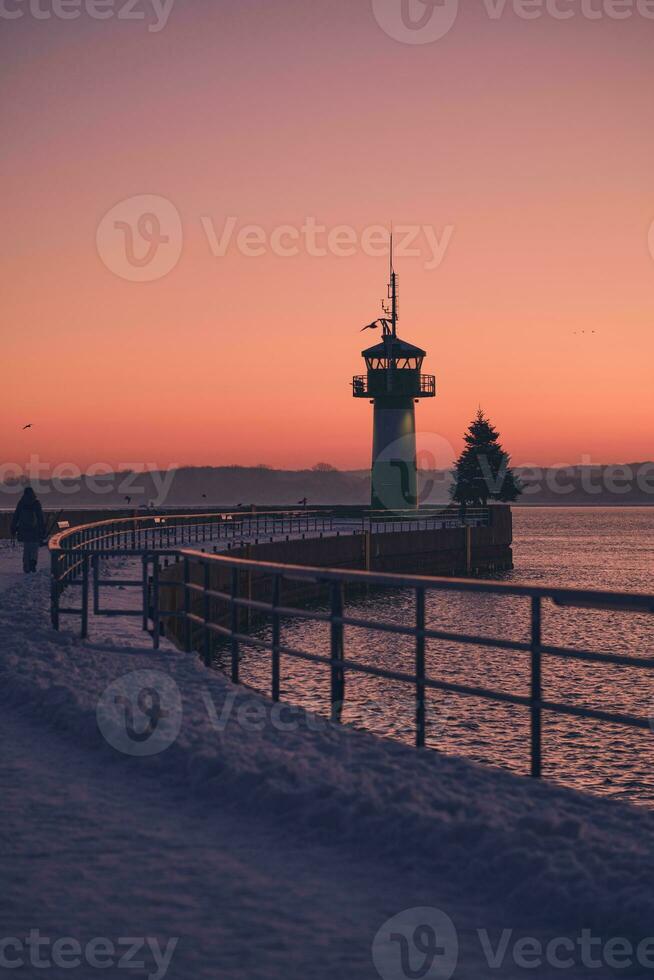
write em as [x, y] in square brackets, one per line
[11, 564]
[90, 852]
[272, 846]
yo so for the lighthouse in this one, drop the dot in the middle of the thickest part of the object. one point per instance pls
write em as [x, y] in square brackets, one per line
[393, 383]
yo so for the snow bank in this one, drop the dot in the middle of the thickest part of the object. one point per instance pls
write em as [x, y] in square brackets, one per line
[540, 853]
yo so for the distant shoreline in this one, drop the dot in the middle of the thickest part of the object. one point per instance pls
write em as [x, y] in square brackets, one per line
[232, 508]
[615, 485]
[604, 505]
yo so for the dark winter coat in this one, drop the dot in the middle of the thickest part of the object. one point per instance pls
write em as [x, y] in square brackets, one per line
[28, 523]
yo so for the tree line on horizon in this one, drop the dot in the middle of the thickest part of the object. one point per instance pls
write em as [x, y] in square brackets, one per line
[481, 473]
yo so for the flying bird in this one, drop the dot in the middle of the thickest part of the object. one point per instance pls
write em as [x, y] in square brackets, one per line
[370, 326]
[28, 426]
[304, 501]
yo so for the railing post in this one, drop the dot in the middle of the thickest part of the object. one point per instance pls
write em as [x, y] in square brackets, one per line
[85, 597]
[276, 631]
[366, 550]
[156, 619]
[187, 607]
[96, 586]
[144, 588]
[337, 673]
[207, 614]
[54, 589]
[234, 618]
[420, 668]
[248, 612]
[536, 688]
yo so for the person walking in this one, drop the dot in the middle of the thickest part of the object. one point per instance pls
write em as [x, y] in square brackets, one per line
[28, 525]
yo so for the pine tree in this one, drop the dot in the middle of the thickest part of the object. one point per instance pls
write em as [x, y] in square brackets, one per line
[482, 471]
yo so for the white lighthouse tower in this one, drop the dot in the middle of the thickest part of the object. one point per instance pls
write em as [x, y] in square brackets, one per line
[393, 383]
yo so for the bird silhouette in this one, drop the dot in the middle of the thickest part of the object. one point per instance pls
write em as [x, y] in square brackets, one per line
[28, 426]
[304, 501]
[370, 326]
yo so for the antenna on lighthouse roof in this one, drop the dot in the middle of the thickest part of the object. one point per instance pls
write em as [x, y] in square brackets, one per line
[392, 295]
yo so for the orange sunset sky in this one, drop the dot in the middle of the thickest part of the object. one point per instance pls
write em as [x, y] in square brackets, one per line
[530, 140]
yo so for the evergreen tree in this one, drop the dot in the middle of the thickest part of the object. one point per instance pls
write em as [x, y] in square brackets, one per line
[482, 470]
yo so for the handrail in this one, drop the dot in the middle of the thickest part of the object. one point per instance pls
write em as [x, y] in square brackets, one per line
[159, 531]
[71, 548]
[154, 521]
[336, 618]
[80, 565]
[56, 541]
[621, 601]
[130, 533]
[409, 379]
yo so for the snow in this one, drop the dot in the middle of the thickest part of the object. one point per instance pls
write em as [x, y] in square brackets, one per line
[11, 564]
[273, 845]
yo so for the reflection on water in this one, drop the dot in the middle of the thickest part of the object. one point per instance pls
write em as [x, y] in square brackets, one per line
[610, 548]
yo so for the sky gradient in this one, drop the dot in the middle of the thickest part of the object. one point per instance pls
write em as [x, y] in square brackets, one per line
[530, 140]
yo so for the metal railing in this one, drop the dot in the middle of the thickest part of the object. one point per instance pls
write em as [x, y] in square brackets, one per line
[337, 620]
[408, 383]
[378, 521]
[76, 553]
[208, 614]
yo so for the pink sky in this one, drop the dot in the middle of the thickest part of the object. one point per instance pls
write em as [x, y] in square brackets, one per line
[531, 140]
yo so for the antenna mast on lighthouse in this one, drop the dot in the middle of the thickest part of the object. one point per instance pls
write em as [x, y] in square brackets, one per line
[393, 297]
